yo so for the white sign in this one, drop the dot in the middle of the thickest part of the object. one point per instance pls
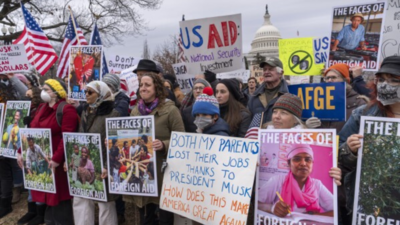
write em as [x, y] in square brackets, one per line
[185, 80]
[391, 30]
[209, 178]
[213, 44]
[129, 81]
[117, 63]
[13, 59]
[242, 74]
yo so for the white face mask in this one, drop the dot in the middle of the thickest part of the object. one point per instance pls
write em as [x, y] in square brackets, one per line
[201, 123]
[45, 96]
[388, 94]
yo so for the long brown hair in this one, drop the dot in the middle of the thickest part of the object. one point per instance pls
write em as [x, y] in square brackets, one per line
[233, 117]
[161, 92]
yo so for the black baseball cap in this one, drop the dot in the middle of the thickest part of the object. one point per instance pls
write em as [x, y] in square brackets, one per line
[390, 65]
[272, 61]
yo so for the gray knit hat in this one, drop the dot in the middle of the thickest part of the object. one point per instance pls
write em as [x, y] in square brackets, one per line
[112, 81]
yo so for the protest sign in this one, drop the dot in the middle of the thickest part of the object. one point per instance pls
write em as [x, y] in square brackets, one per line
[298, 58]
[377, 196]
[244, 75]
[290, 155]
[213, 44]
[131, 157]
[185, 80]
[118, 63]
[321, 50]
[257, 72]
[12, 122]
[36, 150]
[84, 160]
[299, 80]
[129, 81]
[209, 178]
[13, 59]
[327, 101]
[357, 35]
[85, 66]
[391, 30]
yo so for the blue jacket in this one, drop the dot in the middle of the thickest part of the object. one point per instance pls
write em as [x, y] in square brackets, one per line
[121, 104]
[359, 86]
[256, 106]
[220, 127]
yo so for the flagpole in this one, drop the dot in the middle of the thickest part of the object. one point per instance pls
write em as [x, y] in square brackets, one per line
[73, 23]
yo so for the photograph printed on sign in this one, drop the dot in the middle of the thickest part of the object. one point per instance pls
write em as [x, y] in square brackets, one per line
[85, 65]
[356, 35]
[12, 122]
[131, 157]
[293, 177]
[377, 195]
[36, 153]
[83, 158]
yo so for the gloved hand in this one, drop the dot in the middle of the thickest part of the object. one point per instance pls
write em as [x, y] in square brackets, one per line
[27, 120]
[313, 122]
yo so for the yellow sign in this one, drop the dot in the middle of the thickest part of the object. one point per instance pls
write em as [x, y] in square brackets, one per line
[297, 56]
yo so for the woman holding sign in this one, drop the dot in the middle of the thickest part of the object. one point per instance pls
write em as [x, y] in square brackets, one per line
[152, 101]
[100, 105]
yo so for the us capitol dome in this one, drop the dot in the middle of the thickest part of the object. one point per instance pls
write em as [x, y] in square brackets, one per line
[265, 42]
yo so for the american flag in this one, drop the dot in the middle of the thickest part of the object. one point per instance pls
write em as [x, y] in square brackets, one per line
[252, 132]
[69, 40]
[96, 40]
[38, 49]
[181, 53]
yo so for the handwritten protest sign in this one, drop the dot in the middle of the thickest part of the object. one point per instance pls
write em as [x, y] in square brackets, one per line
[36, 154]
[257, 72]
[13, 59]
[131, 172]
[209, 178]
[391, 30]
[321, 50]
[118, 63]
[129, 81]
[84, 160]
[359, 47]
[213, 43]
[184, 79]
[244, 75]
[377, 197]
[12, 122]
[327, 101]
[282, 154]
[298, 58]
[85, 66]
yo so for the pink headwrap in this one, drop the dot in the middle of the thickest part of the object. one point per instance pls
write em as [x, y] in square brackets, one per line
[21, 77]
[299, 148]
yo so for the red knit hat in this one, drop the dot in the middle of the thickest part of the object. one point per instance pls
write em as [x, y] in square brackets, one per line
[342, 68]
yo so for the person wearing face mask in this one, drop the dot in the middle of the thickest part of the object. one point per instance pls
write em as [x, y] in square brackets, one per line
[385, 102]
[121, 100]
[207, 115]
[99, 106]
[57, 207]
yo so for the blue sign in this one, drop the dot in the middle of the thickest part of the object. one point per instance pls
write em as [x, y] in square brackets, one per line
[326, 101]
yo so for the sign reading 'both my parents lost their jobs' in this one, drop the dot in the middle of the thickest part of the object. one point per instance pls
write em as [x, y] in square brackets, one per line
[213, 44]
[209, 179]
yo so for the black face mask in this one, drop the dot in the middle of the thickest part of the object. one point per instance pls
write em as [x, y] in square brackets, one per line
[5, 82]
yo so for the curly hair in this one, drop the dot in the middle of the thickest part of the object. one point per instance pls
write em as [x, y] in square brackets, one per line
[161, 92]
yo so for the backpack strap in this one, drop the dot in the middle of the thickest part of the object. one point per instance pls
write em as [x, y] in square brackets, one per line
[59, 113]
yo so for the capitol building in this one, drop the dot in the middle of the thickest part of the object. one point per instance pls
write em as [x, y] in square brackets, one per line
[265, 42]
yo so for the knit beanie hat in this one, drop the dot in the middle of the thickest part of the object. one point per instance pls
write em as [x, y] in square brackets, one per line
[202, 81]
[290, 103]
[233, 88]
[210, 76]
[34, 80]
[172, 79]
[58, 87]
[342, 68]
[206, 103]
[21, 77]
[112, 81]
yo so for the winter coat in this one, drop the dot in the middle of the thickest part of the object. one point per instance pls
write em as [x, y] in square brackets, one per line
[220, 127]
[167, 118]
[258, 102]
[244, 124]
[188, 120]
[360, 86]
[179, 94]
[96, 123]
[121, 104]
[46, 118]
[353, 101]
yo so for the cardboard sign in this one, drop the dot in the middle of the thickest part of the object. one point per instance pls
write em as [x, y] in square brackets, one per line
[315, 151]
[257, 72]
[13, 59]
[357, 42]
[209, 178]
[326, 101]
[118, 63]
[84, 160]
[36, 149]
[184, 79]
[213, 44]
[244, 75]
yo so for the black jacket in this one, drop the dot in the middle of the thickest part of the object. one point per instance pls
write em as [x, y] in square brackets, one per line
[121, 104]
[188, 119]
[220, 127]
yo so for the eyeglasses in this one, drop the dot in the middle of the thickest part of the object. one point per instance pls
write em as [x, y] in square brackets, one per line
[333, 78]
[391, 81]
[299, 159]
[198, 88]
[88, 92]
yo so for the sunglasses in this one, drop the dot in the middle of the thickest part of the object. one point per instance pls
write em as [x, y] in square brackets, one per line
[88, 92]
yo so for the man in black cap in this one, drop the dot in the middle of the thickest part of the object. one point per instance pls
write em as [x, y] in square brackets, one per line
[268, 93]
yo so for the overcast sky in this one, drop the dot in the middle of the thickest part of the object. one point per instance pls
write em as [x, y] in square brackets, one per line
[312, 18]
